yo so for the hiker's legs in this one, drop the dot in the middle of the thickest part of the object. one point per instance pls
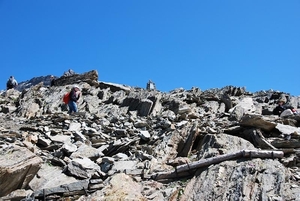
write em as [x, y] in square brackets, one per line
[75, 107]
[72, 107]
[286, 112]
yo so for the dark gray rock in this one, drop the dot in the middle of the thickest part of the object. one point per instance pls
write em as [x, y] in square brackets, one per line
[142, 132]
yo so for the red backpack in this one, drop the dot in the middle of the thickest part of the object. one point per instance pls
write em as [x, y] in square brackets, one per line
[66, 98]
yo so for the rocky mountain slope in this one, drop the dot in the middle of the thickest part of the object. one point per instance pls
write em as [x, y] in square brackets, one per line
[129, 143]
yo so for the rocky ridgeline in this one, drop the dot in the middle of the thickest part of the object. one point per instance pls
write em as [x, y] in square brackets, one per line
[135, 144]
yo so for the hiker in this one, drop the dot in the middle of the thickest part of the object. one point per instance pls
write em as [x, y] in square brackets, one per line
[284, 109]
[52, 82]
[74, 97]
[11, 83]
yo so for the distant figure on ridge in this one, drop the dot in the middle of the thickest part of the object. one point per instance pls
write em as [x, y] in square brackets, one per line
[284, 109]
[52, 82]
[74, 97]
[11, 83]
[150, 85]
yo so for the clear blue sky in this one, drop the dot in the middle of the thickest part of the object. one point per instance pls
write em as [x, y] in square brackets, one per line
[195, 43]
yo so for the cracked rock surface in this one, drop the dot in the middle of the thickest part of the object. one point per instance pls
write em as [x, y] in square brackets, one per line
[127, 143]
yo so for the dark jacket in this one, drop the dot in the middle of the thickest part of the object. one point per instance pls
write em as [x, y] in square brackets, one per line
[52, 83]
[73, 96]
[11, 83]
[280, 108]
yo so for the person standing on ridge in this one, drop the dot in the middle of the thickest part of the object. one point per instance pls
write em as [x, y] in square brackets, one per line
[52, 82]
[11, 83]
[74, 97]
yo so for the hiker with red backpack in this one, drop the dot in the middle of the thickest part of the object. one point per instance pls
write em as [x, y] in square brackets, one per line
[74, 96]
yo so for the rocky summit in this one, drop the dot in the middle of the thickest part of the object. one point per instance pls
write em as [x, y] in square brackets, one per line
[129, 143]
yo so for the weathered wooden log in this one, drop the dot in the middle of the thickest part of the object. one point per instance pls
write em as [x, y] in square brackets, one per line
[261, 141]
[263, 154]
[218, 159]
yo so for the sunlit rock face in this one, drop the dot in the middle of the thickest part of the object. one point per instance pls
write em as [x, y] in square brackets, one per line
[129, 143]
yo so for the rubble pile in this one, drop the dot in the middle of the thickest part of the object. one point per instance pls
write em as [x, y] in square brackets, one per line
[128, 143]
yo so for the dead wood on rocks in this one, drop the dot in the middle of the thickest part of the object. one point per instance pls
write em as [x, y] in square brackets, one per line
[218, 159]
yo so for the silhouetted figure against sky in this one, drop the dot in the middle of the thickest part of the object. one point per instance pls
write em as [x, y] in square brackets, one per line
[11, 83]
[52, 83]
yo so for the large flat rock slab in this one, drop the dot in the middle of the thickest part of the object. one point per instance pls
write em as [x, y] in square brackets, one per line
[18, 166]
